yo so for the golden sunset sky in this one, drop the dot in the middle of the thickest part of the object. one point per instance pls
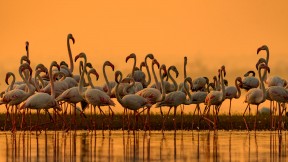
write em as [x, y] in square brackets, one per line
[209, 33]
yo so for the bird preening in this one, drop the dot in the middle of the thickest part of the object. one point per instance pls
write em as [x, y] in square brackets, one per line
[148, 87]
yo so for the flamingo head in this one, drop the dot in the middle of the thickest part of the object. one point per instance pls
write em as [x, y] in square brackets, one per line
[239, 79]
[27, 45]
[264, 66]
[132, 55]
[54, 63]
[189, 80]
[250, 72]
[150, 55]
[108, 63]
[264, 47]
[93, 71]
[155, 62]
[24, 58]
[41, 68]
[163, 67]
[185, 60]
[223, 69]
[89, 65]
[260, 61]
[143, 65]
[8, 74]
[117, 74]
[24, 67]
[70, 36]
[80, 55]
[63, 63]
[174, 69]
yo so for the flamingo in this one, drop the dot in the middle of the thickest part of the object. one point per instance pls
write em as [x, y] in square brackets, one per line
[280, 95]
[94, 97]
[151, 94]
[181, 85]
[233, 92]
[138, 75]
[249, 82]
[174, 99]
[44, 101]
[171, 87]
[216, 98]
[199, 97]
[17, 96]
[256, 96]
[199, 83]
[131, 101]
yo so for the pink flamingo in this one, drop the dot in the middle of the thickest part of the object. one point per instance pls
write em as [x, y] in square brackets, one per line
[174, 99]
[94, 97]
[131, 101]
[153, 95]
[256, 96]
[44, 101]
[216, 98]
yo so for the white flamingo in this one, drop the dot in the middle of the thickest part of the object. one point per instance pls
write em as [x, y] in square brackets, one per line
[256, 96]
[233, 92]
[139, 75]
[94, 97]
[249, 82]
[131, 101]
[44, 101]
[174, 99]
[280, 95]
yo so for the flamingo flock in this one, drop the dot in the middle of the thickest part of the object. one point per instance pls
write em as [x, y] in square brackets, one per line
[60, 87]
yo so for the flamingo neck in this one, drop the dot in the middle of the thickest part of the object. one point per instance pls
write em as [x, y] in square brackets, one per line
[119, 99]
[106, 79]
[80, 86]
[163, 93]
[173, 80]
[13, 82]
[238, 89]
[90, 80]
[70, 56]
[262, 86]
[155, 77]
[148, 72]
[222, 85]
[190, 100]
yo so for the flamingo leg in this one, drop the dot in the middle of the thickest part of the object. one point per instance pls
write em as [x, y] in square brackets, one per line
[255, 122]
[245, 118]
[230, 120]
[193, 116]
[182, 120]
[163, 123]
[174, 118]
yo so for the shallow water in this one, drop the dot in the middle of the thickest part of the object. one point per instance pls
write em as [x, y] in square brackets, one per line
[119, 146]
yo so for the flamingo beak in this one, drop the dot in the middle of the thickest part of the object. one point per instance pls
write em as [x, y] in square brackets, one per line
[73, 40]
[127, 58]
[258, 50]
[112, 66]
[97, 75]
[6, 79]
[76, 58]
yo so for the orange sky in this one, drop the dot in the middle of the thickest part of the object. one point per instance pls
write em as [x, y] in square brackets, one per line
[209, 33]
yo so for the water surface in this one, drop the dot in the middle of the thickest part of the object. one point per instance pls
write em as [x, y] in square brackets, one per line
[121, 146]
